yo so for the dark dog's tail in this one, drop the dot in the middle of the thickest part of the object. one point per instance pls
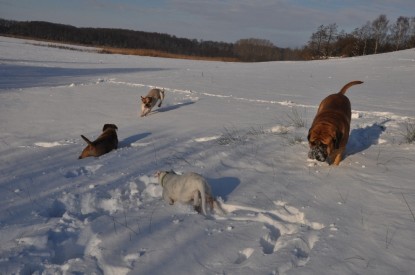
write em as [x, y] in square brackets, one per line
[86, 140]
[348, 85]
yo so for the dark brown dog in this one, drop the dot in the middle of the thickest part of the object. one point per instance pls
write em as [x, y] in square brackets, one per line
[106, 142]
[329, 132]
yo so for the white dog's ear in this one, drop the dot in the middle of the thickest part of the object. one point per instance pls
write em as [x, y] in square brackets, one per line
[157, 174]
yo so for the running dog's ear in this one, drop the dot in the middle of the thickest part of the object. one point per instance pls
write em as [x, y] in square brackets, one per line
[337, 139]
[308, 136]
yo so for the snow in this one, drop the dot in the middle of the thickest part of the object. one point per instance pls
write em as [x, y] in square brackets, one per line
[230, 122]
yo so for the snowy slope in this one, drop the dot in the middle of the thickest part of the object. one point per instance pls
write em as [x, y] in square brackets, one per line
[232, 123]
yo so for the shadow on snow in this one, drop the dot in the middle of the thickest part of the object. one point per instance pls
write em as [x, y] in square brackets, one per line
[223, 187]
[17, 77]
[129, 140]
[362, 138]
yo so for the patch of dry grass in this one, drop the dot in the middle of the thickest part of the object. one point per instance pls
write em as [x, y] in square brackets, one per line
[155, 53]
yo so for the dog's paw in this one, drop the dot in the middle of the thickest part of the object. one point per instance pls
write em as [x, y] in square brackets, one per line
[198, 208]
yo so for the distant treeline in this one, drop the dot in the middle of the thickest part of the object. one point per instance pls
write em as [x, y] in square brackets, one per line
[374, 37]
[377, 36]
[114, 38]
[250, 50]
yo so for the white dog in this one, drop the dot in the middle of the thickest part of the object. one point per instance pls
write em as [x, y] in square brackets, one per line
[150, 100]
[185, 189]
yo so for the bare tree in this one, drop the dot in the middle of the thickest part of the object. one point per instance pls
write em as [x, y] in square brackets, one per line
[363, 35]
[400, 32]
[380, 30]
[316, 41]
[331, 36]
[411, 42]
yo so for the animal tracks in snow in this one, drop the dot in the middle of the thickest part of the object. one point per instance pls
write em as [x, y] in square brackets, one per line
[205, 139]
[194, 96]
[82, 171]
[50, 144]
[355, 113]
[244, 255]
[190, 92]
[54, 143]
[286, 228]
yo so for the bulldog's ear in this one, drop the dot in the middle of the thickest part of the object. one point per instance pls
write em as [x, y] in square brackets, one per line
[337, 139]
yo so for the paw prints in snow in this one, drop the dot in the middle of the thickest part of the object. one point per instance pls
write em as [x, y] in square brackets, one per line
[82, 171]
[53, 143]
[244, 255]
[286, 230]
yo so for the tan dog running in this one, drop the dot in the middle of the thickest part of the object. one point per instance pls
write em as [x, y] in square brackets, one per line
[150, 100]
[187, 188]
[329, 132]
[106, 142]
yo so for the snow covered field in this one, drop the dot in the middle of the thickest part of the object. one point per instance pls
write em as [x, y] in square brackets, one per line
[235, 124]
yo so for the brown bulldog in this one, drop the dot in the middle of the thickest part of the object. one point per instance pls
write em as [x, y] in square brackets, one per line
[329, 132]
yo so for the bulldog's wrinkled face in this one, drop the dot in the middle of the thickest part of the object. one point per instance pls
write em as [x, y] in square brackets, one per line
[322, 141]
[318, 150]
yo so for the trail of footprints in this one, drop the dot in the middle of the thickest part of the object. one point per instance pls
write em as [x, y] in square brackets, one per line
[286, 228]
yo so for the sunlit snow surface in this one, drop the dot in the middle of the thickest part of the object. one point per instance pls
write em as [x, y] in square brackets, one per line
[234, 123]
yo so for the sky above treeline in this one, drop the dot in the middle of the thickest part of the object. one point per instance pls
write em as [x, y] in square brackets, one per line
[286, 23]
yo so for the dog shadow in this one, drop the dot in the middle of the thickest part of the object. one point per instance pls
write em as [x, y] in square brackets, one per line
[174, 107]
[362, 138]
[223, 187]
[130, 140]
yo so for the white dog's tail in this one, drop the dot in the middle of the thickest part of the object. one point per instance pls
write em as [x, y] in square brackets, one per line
[217, 207]
[203, 198]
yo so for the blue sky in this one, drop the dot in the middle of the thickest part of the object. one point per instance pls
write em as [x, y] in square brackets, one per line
[283, 22]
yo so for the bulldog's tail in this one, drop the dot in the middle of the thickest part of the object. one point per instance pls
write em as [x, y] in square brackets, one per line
[348, 85]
